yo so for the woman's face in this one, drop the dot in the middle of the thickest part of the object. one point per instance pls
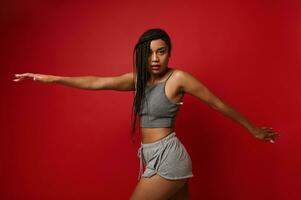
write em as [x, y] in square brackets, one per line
[158, 57]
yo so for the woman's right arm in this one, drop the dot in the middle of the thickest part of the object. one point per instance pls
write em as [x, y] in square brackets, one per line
[124, 82]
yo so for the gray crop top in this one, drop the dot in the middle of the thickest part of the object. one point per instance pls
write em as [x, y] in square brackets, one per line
[158, 111]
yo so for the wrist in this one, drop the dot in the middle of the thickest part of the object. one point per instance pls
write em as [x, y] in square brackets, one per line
[55, 79]
[253, 129]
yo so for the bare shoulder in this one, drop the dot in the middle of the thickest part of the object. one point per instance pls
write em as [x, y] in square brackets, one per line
[129, 75]
[129, 80]
[189, 82]
[182, 78]
[181, 75]
[192, 85]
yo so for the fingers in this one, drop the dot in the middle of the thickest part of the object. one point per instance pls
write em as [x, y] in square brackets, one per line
[19, 78]
[271, 137]
[23, 76]
[270, 131]
[267, 128]
[269, 134]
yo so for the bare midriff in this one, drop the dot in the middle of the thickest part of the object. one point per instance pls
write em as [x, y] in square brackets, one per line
[150, 135]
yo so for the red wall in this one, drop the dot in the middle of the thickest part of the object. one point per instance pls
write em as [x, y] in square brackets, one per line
[62, 143]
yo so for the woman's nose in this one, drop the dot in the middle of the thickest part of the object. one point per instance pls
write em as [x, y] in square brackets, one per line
[155, 57]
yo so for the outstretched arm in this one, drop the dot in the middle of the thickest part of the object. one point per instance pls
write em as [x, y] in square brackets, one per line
[124, 82]
[192, 85]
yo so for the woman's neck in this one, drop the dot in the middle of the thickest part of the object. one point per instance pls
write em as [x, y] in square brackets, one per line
[157, 77]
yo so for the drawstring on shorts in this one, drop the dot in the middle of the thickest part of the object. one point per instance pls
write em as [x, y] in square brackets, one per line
[161, 142]
[141, 163]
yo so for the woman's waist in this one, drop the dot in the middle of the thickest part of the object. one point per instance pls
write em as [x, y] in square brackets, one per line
[150, 135]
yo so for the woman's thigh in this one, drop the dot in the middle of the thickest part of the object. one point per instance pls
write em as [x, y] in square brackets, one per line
[156, 188]
[182, 193]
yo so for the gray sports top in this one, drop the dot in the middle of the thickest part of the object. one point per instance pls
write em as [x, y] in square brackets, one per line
[158, 111]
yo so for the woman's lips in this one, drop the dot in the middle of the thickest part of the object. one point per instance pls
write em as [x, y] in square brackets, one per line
[155, 67]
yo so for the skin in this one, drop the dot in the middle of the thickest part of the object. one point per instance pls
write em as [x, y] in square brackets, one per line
[180, 82]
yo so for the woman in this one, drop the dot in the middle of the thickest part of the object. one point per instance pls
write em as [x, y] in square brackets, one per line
[159, 90]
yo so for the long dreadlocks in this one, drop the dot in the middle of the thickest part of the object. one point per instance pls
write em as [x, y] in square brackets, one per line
[140, 60]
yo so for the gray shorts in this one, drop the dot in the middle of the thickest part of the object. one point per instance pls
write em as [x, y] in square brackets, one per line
[166, 157]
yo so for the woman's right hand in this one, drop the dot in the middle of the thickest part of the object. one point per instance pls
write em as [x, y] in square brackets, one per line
[36, 77]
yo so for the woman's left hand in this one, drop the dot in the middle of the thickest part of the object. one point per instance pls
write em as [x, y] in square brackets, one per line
[265, 133]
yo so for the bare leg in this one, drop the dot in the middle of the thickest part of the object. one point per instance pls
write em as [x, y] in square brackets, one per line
[182, 193]
[156, 188]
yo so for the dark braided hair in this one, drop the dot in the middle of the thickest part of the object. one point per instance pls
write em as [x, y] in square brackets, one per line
[140, 60]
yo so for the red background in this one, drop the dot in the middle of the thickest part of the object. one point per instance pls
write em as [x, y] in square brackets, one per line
[63, 143]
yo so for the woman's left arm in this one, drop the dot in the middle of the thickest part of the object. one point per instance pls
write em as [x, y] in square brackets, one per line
[195, 87]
